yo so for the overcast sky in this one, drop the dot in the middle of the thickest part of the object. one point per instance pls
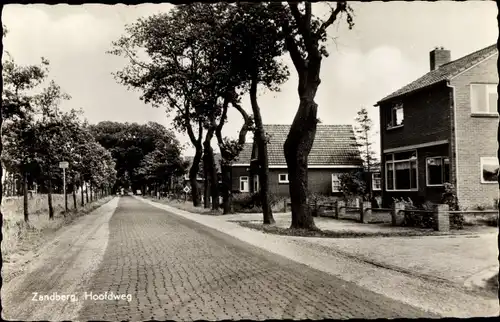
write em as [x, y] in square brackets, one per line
[387, 48]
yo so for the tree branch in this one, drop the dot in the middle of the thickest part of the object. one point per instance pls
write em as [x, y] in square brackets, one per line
[341, 6]
[304, 23]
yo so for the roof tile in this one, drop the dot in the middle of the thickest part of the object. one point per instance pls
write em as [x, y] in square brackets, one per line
[333, 145]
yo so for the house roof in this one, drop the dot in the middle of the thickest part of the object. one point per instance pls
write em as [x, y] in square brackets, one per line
[333, 145]
[444, 72]
[245, 155]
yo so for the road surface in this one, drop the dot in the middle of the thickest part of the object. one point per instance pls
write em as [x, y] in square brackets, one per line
[172, 268]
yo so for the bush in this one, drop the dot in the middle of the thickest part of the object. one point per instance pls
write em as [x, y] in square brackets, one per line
[449, 197]
[352, 184]
[250, 202]
[315, 201]
[457, 221]
[417, 219]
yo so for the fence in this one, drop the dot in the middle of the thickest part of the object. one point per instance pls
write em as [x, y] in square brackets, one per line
[439, 219]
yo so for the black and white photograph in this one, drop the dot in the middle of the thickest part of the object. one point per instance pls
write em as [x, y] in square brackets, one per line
[210, 161]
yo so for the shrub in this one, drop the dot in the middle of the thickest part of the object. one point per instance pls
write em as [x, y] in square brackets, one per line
[315, 200]
[242, 201]
[417, 219]
[449, 197]
[353, 184]
[250, 202]
[457, 221]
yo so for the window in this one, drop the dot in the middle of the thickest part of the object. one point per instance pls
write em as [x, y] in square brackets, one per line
[283, 178]
[256, 183]
[376, 182]
[489, 170]
[401, 171]
[244, 187]
[395, 117]
[335, 182]
[437, 171]
[483, 98]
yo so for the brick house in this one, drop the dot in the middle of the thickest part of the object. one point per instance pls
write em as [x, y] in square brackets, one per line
[442, 128]
[334, 152]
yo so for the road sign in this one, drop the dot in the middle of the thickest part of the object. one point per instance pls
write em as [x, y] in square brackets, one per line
[63, 165]
[186, 189]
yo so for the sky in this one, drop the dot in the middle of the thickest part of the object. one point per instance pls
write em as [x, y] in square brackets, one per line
[387, 48]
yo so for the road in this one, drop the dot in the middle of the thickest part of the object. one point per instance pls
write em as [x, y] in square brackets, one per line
[177, 269]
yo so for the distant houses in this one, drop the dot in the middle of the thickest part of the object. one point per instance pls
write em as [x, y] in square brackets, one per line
[443, 128]
[334, 152]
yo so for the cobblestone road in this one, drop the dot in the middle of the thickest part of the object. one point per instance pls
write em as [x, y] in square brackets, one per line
[177, 269]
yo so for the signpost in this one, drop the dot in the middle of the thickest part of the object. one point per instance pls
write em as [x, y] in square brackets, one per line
[186, 191]
[64, 165]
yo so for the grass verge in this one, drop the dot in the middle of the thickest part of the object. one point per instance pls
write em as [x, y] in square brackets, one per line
[492, 284]
[187, 206]
[20, 237]
[273, 229]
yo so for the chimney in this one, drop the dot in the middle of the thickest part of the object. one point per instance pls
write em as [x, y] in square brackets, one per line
[439, 56]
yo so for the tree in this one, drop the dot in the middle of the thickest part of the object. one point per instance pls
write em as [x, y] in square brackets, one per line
[49, 135]
[132, 145]
[16, 111]
[174, 76]
[255, 58]
[304, 35]
[364, 136]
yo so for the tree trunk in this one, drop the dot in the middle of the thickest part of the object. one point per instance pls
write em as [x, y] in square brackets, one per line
[206, 184]
[210, 171]
[86, 192]
[25, 196]
[226, 190]
[262, 156]
[193, 174]
[74, 195]
[297, 147]
[92, 196]
[49, 196]
[81, 192]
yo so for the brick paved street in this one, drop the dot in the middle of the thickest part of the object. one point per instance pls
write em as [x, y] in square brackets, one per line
[177, 269]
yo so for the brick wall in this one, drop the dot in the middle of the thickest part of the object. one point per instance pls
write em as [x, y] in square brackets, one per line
[426, 118]
[475, 137]
[320, 181]
[236, 172]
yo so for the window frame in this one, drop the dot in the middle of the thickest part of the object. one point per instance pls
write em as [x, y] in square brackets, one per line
[337, 175]
[391, 118]
[373, 181]
[488, 91]
[245, 180]
[442, 171]
[283, 181]
[393, 161]
[482, 159]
